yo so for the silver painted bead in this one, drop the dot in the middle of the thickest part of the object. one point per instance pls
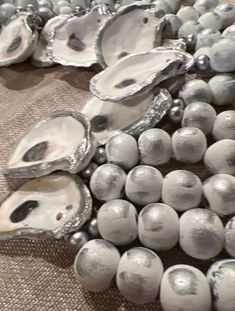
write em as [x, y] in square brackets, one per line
[219, 157]
[219, 194]
[199, 115]
[202, 63]
[178, 102]
[92, 228]
[202, 51]
[158, 226]
[222, 89]
[207, 37]
[181, 190]
[117, 222]
[201, 233]
[227, 13]
[189, 28]
[45, 4]
[195, 91]
[77, 240]
[96, 264]
[230, 237]
[45, 13]
[210, 20]
[222, 56]
[189, 145]
[187, 13]
[139, 275]
[107, 182]
[143, 185]
[191, 41]
[7, 10]
[224, 126]
[175, 114]
[181, 284]
[155, 147]
[100, 156]
[89, 170]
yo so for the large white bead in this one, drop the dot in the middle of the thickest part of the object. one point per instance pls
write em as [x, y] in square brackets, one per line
[222, 55]
[224, 126]
[195, 91]
[222, 89]
[230, 237]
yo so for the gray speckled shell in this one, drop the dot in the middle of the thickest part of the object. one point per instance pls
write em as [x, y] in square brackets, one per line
[73, 163]
[73, 224]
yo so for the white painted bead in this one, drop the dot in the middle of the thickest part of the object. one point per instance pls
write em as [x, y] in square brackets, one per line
[24, 3]
[117, 222]
[229, 32]
[199, 115]
[96, 264]
[143, 185]
[210, 20]
[221, 277]
[203, 6]
[122, 150]
[7, 10]
[230, 236]
[219, 157]
[222, 55]
[155, 147]
[187, 13]
[189, 28]
[195, 91]
[158, 226]
[201, 233]
[65, 10]
[181, 190]
[202, 51]
[207, 37]
[107, 182]
[189, 145]
[139, 275]
[227, 13]
[45, 3]
[224, 126]
[185, 288]
[222, 89]
[219, 192]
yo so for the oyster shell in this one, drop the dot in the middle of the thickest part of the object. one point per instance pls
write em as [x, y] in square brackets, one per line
[175, 43]
[48, 207]
[17, 41]
[61, 141]
[131, 116]
[113, 43]
[73, 42]
[139, 72]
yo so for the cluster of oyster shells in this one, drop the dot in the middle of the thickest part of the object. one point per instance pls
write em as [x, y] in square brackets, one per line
[127, 96]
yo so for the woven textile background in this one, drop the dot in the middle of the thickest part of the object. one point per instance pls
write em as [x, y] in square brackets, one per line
[38, 275]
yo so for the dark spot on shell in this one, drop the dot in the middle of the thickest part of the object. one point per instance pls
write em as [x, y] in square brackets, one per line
[75, 43]
[125, 83]
[183, 281]
[23, 210]
[69, 207]
[145, 20]
[122, 54]
[59, 216]
[36, 153]
[14, 44]
[99, 123]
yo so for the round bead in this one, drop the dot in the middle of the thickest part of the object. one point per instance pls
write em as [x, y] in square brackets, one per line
[155, 147]
[107, 182]
[45, 13]
[189, 145]
[65, 10]
[25, 3]
[81, 3]
[89, 170]
[222, 55]
[201, 233]
[7, 10]
[222, 89]
[77, 240]
[187, 13]
[45, 4]
[178, 103]
[219, 194]
[202, 63]
[199, 115]
[210, 20]
[189, 28]
[158, 226]
[92, 228]
[221, 277]
[203, 6]
[122, 150]
[219, 157]
[181, 190]
[202, 52]
[139, 275]
[224, 126]
[191, 41]
[175, 114]
[207, 37]
[100, 156]
[229, 32]
[181, 284]
[117, 222]
[96, 264]
[143, 185]
[171, 29]
[227, 13]
[230, 237]
[195, 91]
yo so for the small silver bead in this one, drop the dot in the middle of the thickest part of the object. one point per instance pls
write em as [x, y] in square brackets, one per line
[89, 170]
[45, 13]
[100, 156]
[178, 102]
[202, 63]
[77, 240]
[191, 41]
[93, 228]
[30, 7]
[175, 114]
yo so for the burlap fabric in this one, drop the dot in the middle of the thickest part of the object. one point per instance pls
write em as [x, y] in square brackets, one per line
[38, 275]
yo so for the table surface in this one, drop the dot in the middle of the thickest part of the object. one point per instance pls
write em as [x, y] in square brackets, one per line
[38, 275]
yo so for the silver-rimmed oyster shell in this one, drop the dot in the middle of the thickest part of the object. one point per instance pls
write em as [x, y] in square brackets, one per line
[139, 72]
[17, 40]
[131, 116]
[175, 43]
[73, 42]
[133, 29]
[48, 207]
[61, 141]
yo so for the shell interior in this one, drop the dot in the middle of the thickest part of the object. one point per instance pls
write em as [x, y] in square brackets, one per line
[49, 206]
[60, 141]
[138, 72]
